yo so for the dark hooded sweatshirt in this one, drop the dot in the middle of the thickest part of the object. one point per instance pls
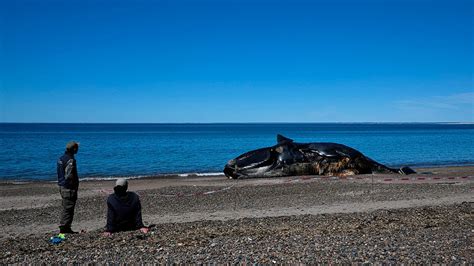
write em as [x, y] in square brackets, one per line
[124, 212]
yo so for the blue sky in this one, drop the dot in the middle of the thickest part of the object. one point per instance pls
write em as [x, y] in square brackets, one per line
[236, 61]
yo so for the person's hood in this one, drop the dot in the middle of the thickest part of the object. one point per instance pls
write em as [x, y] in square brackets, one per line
[123, 196]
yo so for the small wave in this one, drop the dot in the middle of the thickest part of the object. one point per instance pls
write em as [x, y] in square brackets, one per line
[196, 174]
[199, 174]
[112, 177]
[93, 178]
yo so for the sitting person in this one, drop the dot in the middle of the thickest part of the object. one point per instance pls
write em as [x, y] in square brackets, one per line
[124, 211]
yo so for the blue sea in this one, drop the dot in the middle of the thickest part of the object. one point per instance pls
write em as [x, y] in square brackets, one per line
[30, 151]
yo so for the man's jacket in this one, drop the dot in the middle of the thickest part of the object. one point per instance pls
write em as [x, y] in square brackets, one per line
[67, 172]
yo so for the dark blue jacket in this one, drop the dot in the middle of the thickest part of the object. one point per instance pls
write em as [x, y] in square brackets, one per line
[124, 212]
[67, 171]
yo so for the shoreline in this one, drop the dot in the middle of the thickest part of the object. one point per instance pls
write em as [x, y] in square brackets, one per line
[419, 169]
[211, 219]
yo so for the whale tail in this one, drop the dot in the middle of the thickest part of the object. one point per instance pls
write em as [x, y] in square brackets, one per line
[405, 170]
[380, 168]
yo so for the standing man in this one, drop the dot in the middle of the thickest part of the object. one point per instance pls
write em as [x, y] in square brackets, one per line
[68, 182]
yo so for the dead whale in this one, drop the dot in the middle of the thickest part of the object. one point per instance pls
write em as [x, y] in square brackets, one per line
[288, 158]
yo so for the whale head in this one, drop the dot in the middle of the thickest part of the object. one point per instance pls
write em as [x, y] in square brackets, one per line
[262, 162]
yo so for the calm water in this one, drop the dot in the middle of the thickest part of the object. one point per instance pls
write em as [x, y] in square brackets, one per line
[30, 151]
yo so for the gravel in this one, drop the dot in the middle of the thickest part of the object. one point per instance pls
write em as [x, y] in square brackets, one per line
[440, 234]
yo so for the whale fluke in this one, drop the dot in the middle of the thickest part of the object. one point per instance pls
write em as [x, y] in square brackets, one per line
[406, 170]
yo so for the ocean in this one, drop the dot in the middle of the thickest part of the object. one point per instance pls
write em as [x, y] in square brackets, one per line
[30, 151]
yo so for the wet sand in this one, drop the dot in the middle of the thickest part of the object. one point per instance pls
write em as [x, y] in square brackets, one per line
[426, 217]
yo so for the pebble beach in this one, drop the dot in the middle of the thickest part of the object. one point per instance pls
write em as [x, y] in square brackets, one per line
[426, 218]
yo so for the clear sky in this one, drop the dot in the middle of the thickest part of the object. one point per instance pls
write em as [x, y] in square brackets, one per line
[236, 61]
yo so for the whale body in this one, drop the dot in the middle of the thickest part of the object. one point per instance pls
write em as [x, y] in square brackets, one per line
[288, 158]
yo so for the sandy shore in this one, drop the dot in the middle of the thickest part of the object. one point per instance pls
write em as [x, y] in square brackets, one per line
[427, 217]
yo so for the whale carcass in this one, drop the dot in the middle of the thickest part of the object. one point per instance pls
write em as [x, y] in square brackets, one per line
[288, 158]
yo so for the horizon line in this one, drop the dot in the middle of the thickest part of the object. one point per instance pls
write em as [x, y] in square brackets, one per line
[197, 123]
